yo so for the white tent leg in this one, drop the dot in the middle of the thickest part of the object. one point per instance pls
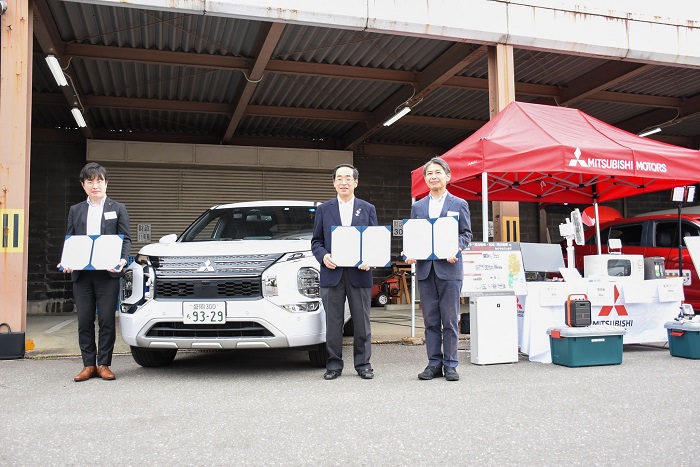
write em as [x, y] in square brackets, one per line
[485, 206]
[413, 300]
[597, 225]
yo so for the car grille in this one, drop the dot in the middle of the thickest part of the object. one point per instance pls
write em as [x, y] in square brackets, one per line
[212, 266]
[231, 330]
[243, 287]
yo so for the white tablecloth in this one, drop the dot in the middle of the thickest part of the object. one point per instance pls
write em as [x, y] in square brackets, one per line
[641, 308]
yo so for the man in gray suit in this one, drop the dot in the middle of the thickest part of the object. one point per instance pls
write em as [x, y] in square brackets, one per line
[341, 283]
[440, 281]
[92, 289]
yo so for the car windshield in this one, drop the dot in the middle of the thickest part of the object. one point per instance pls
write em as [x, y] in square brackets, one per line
[252, 223]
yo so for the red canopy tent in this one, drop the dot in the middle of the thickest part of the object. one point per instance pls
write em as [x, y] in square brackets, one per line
[552, 154]
[531, 152]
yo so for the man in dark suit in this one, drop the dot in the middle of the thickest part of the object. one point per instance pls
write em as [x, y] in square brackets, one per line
[440, 281]
[341, 283]
[98, 215]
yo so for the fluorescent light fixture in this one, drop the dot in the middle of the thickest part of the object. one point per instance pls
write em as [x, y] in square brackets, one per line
[56, 69]
[78, 116]
[401, 113]
[650, 132]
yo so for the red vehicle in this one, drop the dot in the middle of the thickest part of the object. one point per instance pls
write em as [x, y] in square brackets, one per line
[649, 235]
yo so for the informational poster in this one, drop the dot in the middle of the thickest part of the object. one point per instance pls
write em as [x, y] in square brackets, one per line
[493, 268]
[355, 245]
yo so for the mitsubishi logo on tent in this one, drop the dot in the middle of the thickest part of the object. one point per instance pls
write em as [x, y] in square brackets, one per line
[577, 161]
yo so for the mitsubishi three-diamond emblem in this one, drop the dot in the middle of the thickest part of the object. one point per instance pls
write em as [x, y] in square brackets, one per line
[206, 266]
[577, 161]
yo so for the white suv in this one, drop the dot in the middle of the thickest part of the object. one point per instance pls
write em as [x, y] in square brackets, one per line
[242, 276]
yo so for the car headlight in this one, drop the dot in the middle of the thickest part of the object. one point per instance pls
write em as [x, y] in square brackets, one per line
[308, 280]
[136, 287]
[128, 284]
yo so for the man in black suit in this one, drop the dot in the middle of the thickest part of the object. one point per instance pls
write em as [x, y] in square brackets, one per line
[440, 281]
[341, 283]
[98, 215]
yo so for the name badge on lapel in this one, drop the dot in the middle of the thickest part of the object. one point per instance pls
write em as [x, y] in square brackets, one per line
[110, 215]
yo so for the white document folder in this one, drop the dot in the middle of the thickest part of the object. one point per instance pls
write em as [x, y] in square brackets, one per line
[354, 245]
[92, 252]
[431, 238]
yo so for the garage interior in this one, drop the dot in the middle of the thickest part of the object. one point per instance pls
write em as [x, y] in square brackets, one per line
[152, 76]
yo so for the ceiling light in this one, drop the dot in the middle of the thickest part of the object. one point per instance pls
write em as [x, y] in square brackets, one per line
[650, 132]
[78, 116]
[401, 113]
[56, 69]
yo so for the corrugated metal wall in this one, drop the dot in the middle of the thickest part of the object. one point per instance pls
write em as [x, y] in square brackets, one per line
[169, 199]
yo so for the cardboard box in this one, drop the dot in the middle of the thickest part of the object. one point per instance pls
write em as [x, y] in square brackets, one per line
[684, 338]
[587, 346]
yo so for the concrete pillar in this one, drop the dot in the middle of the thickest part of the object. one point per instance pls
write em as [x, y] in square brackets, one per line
[506, 219]
[16, 40]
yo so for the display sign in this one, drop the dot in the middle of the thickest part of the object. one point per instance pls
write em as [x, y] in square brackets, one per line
[493, 268]
[397, 227]
[144, 233]
[600, 293]
[670, 290]
[553, 294]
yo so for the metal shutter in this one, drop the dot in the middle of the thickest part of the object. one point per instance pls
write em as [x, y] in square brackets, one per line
[170, 199]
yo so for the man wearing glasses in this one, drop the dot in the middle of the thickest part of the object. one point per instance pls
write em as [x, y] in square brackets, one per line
[92, 289]
[440, 280]
[341, 283]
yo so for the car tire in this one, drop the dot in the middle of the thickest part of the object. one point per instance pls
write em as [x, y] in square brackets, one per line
[349, 328]
[153, 357]
[319, 355]
[381, 299]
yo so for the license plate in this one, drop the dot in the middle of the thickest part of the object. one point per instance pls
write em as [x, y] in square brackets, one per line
[204, 313]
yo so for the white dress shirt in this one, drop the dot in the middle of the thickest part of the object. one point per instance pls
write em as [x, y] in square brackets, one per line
[94, 217]
[435, 205]
[346, 211]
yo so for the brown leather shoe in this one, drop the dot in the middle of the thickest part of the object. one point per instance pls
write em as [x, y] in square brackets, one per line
[105, 373]
[87, 373]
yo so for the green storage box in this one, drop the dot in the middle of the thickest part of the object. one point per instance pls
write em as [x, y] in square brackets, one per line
[684, 338]
[586, 346]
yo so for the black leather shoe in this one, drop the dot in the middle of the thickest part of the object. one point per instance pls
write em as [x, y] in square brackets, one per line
[367, 373]
[332, 374]
[451, 373]
[430, 372]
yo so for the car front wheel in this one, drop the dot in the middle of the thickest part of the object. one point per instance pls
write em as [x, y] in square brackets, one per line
[319, 355]
[153, 357]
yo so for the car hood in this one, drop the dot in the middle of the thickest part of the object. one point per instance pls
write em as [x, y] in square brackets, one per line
[229, 247]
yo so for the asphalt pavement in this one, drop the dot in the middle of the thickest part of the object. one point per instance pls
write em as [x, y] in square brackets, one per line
[273, 408]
